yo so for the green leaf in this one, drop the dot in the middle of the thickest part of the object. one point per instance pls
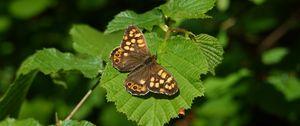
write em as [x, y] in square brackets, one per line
[5, 23]
[75, 123]
[187, 9]
[274, 56]
[51, 60]
[28, 8]
[10, 102]
[288, 85]
[23, 122]
[90, 41]
[126, 18]
[183, 58]
[215, 87]
[47, 61]
[212, 49]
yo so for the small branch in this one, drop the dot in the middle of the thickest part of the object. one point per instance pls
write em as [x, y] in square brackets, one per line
[280, 31]
[82, 101]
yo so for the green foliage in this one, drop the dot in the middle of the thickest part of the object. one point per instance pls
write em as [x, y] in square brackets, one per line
[274, 56]
[148, 111]
[25, 122]
[183, 9]
[185, 57]
[288, 85]
[126, 18]
[28, 8]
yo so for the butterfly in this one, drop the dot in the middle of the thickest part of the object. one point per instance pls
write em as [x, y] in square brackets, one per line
[145, 74]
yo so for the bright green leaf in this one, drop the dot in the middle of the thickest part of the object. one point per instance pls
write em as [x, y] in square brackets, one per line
[51, 61]
[180, 9]
[184, 59]
[28, 8]
[23, 122]
[90, 41]
[126, 18]
[75, 123]
[212, 49]
[288, 85]
[274, 56]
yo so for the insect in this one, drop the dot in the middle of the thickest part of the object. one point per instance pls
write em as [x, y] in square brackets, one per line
[145, 74]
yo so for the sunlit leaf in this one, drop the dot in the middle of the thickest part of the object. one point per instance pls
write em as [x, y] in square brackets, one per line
[51, 60]
[288, 85]
[180, 9]
[126, 18]
[75, 123]
[87, 40]
[274, 55]
[23, 122]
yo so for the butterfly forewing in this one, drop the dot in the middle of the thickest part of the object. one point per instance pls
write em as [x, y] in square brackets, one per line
[132, 51]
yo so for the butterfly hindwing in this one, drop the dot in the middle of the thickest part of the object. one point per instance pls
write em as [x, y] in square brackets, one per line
[152, 78]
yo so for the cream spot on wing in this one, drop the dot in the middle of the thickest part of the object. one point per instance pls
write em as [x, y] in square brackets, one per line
[126, 47]
[140, 41]
[125, 54]
[151, 84]
[156, 85]
[133, 40]
[142, 81]
[131, 35]
[160, 71]
[166, 86]
[131, 49]
[141, 45]
[164, 75]
[161, 90]
[125, 37]
[143, 88]
[152, 79]
[169, 79]
[161, 81]
[172, 85]
[128, 43]
[137, 35]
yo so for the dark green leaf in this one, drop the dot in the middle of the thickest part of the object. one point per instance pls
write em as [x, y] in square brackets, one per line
[28, 8]
[10, 102]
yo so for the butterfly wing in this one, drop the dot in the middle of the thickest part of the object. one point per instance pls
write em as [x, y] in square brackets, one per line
[132, 52]
[152, 78]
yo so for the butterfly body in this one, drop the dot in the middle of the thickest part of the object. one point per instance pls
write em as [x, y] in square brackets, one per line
[145, 74]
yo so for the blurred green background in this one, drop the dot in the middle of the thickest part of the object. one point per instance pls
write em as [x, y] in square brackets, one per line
[256, 84]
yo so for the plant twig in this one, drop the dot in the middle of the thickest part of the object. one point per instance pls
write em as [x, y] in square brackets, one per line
[82, 101]
[280, 31]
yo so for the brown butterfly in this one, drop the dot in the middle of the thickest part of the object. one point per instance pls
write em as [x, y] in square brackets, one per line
[145, 74]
